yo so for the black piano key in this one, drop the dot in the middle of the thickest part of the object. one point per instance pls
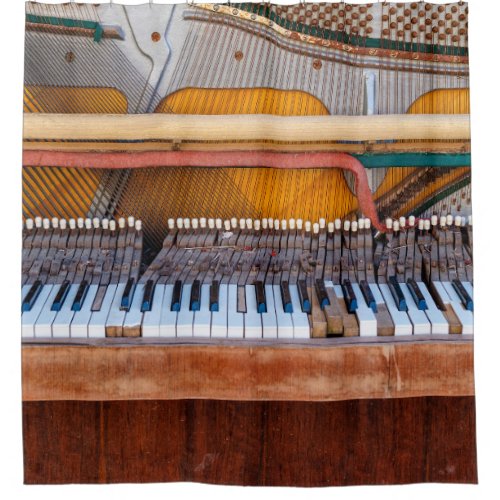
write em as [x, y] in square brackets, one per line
[61, 296]
[176, 296]
[305, 302]
[351, 301]
[81, 293]
[417, 295]
[128, 295]
[214, 296]
[368, 295]
[322, 295]
[195, 299]
[397, 294]
[465, 298]
[286, 298]
[31, 296]
[260, 295]
[147, 297]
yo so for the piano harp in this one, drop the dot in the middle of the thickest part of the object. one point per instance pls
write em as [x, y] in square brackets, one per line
[247, 244]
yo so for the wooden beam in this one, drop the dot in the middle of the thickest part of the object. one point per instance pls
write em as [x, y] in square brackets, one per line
[106, 127]
[325, 371]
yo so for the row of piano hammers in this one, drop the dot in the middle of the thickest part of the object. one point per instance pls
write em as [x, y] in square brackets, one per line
[247, 279]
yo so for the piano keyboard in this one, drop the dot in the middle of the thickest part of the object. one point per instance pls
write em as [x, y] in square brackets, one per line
[247, 279]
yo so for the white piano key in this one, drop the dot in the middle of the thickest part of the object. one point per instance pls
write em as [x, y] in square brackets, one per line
[283, 319]
[185, 316]
[439, 325]
[79, 327]
[421, 325]
[151, 319]
[219, 318]
[443, 295]
[376, 293]
[62, 321]
[43, 325]
[116, 316]
[252, 319]
[24, 291]
[168, 317]
[301, 329]
[365, 316]
[133, 316]
[28, 318]
[97, 324]
[235, 328]
[464, 316]
[469, 288]
[269, 323]
[202, 318]
[402, 323]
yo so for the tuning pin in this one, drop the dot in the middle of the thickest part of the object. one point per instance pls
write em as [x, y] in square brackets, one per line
[347, 225]
[138, 225]
[242, 223]
[361, 223]
[38, 222]
[388, 223]
[368, 223]
[338, 224]
[171, 223]
[249, 223]
[315, 228]
[427, 224]
[96, 222]
[179, 223]
[299, 224]
[211, 223]
[264, 223]
[449, 220]
[402, 222]
[131, 221]
[29, 224]
[411, 220]
[331, 227]
[283, 225]
[395, 226]
[121, 223]
[88, 223]
[227, 225]
[55, 222]
[234, 223]
[421, 225]
[80, 223]
[434, 220]
[256, 224]
[458, 220]
[291, 224]
[270, 222]
[276, 224]
[442, 220]
[322, 223]
[203, 222]
[72, 223]
[62, 224]
[105, 223]
[307, 226]
[218, 223]
[187, 223]
[354, 226]
[112, 225]
[194, 223]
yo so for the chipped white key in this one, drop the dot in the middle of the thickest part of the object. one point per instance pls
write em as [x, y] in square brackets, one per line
[235, 328]
[79, 327]
[464, 316]
[418, 318]
[269, 325]
[28, 318]
[151, 319]
[116, 316]
[168, 318]
[301, 329]
[43, 325]
[97, 324]
[283, 319]
[439, 325]
[402, 323]
[62, 321]
[133, 317]
[185, 316]
[219, 318]
[365, 316]
[202, 318]
[252, 319]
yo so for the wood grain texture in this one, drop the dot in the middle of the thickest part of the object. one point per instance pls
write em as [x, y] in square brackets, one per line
[393, 441]
[324, 372]
[160, 126]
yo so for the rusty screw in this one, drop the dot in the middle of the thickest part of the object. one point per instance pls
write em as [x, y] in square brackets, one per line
[155, 36]
[70, 57]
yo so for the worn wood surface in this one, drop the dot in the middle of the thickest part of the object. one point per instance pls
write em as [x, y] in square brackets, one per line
[387, 441]
[153, 126]
[321, 371]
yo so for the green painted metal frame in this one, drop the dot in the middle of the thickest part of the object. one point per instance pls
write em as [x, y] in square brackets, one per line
[68, 23]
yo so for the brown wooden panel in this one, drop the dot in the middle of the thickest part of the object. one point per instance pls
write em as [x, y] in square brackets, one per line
[429, 439]
[326, 370]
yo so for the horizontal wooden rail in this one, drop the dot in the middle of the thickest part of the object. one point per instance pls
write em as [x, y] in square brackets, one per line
[106, 127]
[245, 371]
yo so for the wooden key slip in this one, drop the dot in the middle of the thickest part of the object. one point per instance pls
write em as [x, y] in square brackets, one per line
[350, 327]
